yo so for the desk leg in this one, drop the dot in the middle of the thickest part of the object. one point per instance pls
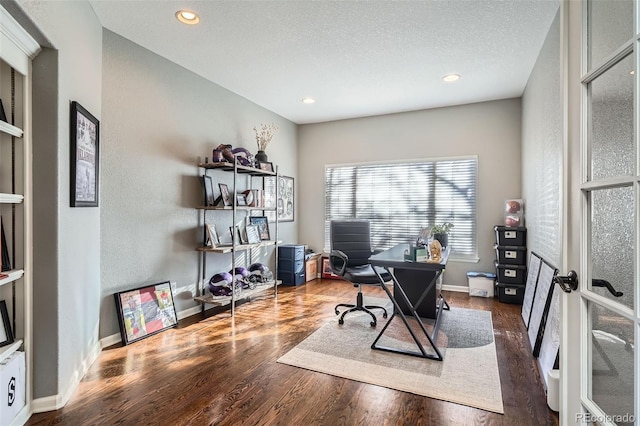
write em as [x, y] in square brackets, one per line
[423, 353]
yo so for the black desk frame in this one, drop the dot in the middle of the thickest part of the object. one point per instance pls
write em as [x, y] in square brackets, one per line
[441, 303]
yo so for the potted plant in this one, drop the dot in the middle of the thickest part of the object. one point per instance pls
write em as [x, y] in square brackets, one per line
[440, 232]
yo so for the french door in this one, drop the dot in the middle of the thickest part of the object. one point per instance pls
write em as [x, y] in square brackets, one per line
[600, 320]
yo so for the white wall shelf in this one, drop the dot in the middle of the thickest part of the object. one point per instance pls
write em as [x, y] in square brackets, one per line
[13, 275]
[11, 198]
[6, 351]
[10, 129]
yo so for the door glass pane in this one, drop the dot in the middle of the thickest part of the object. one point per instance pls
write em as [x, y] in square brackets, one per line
[612, 352]
[610, 25]
[612, 248]
[611, 135]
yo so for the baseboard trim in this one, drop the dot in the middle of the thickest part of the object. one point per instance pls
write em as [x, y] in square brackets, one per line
[190, 312]
[457, 288]
[55, 402]
[114, 339]
[58, 401]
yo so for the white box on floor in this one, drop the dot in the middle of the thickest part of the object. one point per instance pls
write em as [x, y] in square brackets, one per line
[481, 284]
[12, 391]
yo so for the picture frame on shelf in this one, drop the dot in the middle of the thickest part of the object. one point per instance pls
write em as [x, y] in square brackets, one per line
[263, 226]
[285, 200]
[213, 240]
[85, 157]
[225, 195]
[253, 234]
[266, 166]
[3, 116]
[236, 236]
[4, 250]
[145, 311]
[209, 197]
[241, 200]
[6, 335]
[242, 233]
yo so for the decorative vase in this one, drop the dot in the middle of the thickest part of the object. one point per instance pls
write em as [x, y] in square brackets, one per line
[261, 156]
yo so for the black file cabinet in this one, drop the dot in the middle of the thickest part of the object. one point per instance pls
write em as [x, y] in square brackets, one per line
[291, 264]
[511, 269]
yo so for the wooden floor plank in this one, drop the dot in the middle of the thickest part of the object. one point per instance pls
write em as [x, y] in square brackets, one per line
[222, 370]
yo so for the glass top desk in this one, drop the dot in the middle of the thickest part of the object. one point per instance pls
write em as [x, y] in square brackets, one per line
[414, 284]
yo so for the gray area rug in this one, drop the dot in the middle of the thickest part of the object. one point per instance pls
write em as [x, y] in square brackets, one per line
[468, 375]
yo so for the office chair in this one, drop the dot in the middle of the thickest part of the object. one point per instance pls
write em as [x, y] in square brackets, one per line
[349, 258]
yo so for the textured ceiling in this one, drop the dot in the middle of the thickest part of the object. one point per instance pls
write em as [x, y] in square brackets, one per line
[356, 58]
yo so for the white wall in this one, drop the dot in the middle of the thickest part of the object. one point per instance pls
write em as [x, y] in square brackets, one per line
[159, 121]
[490, 130]
[542, 151]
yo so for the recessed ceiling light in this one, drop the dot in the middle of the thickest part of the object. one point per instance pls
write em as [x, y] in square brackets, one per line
[451, 77]
[308, 100]
[632, 72]
[187, 17]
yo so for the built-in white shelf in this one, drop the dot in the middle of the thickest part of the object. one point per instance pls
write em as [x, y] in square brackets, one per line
[13, 275]
[10, 129]
[11, 198]
[6, 351]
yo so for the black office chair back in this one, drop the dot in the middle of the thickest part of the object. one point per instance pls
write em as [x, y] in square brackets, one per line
[353, 238]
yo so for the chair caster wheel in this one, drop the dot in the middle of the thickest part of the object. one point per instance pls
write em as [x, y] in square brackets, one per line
[373, 324]
[337, 312]
[340, 321]
[384, 315]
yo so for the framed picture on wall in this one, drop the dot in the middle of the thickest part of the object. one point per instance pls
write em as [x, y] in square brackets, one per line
[285, 200]
[85, 157]
[145, 311]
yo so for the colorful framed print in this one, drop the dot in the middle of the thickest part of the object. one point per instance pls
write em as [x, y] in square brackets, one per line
[145, 311]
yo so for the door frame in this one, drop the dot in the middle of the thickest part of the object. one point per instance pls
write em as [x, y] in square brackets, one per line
[575, 350]
[571, 63]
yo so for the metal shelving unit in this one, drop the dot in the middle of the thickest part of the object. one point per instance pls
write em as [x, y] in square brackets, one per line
[205, 297]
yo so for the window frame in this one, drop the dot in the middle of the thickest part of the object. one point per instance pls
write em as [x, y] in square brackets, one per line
[471, 257]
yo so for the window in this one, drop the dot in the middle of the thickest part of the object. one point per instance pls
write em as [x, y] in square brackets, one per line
[401, 198]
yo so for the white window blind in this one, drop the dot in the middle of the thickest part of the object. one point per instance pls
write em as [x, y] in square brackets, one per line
[401, 198]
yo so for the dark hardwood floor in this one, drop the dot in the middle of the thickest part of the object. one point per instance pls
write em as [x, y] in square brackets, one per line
[223, 370]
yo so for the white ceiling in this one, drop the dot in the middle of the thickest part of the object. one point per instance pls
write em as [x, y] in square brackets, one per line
[356, 58]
